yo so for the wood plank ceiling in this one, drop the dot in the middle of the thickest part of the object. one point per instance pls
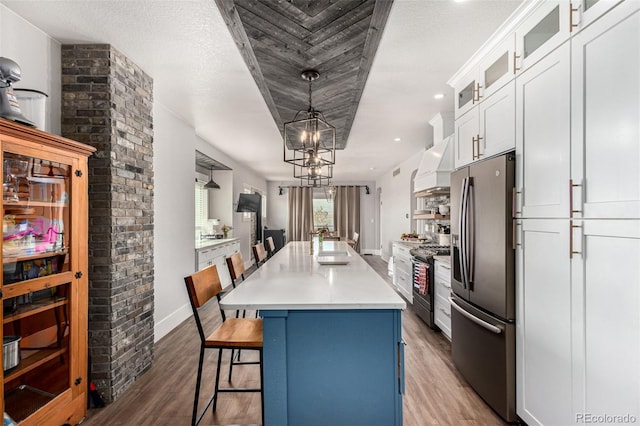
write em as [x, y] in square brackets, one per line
[278, 39]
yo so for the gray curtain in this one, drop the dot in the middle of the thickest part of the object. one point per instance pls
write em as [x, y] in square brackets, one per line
[346, 210]
[300, 213]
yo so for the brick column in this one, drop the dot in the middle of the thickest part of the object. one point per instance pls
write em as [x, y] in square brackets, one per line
[107, 102]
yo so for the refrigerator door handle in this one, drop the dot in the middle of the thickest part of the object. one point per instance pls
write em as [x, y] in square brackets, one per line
[463, 235]
[492, 328]
[469, 251]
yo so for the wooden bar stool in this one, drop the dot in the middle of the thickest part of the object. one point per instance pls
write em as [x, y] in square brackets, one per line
[233, 333]
[271, 247]
[235, 263]
[259, 253]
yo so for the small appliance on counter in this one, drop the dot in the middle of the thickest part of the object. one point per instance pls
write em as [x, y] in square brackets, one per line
[9, 107]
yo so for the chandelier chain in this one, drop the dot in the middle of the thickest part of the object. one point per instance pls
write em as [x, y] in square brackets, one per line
[310, 105]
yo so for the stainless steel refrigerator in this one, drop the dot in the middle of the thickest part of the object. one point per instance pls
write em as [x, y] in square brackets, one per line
[483, 280]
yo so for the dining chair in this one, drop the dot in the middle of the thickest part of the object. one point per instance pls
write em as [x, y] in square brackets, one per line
[271, 247]
[232, 333]
[354, 243]
[259, 253]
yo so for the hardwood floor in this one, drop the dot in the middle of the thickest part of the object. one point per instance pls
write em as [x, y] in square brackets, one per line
[435, 393]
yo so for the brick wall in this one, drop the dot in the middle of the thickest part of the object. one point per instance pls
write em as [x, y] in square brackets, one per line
[107, 102]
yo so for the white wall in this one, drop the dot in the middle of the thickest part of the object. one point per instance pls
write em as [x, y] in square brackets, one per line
[395, 203]
[174, 213]
[241, 176]
[38, 56]
[221, 200]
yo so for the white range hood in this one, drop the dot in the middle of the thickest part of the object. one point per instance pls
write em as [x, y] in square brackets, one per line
[435, 167]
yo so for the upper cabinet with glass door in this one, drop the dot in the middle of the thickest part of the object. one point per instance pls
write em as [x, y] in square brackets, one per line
[546, 28]
[552, 23]
[584, 12]
[492, 72]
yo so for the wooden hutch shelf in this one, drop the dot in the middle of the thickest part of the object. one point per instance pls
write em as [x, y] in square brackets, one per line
[44, 275]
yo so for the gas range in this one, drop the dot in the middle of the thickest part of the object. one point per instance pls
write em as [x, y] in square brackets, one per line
[424, 252]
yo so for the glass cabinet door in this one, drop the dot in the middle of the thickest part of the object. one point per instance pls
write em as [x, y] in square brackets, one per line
[36, 280]
[548, 26]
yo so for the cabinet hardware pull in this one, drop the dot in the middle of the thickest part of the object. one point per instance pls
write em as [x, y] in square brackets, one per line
[571, 187]
[445, 312]
[476, 93]
[571, 228]
[478, 149]
[445, 267]
[515, 58]
[571, 10]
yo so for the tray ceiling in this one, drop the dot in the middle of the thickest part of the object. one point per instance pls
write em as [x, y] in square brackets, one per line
[280, 39]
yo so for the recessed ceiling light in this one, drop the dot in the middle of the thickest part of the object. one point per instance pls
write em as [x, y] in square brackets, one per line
[438, 96]
[372, 168]
[396, 139]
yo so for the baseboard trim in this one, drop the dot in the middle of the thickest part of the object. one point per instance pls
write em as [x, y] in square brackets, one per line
[171, 321]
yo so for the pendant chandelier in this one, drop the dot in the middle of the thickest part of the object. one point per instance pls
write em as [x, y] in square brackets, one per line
[310, 143]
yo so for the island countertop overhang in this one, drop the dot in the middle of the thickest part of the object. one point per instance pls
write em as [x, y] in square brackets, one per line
[294, 280]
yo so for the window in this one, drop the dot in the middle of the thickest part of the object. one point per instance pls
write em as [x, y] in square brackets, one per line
[322, 211]
[202, 208]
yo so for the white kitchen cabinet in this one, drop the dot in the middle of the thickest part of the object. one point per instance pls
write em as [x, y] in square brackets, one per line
[546, 28]
[496, 69]
[497, 115]
[493, 71]
[488, 128]
[465, 93]
[544, 323]
[578, 346]
[442, 306]
[467, 129]
[606, 115]
[402, 270]
[585, 12]
[216, 255]
[606, 290]
[543, 117]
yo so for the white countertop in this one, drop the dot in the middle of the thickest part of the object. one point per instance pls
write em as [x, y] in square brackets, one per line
[294, 280]
[208, 243]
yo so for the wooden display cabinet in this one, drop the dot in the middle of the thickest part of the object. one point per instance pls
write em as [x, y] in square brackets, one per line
[44, 275]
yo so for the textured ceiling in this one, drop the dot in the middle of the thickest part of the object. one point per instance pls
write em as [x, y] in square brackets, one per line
[280, 39]
[201, 76]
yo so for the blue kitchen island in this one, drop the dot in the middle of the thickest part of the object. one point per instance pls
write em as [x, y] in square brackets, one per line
[333, 350]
